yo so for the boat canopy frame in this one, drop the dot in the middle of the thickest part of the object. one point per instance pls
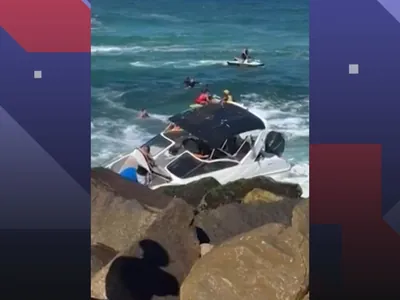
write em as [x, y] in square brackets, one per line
[214, 123]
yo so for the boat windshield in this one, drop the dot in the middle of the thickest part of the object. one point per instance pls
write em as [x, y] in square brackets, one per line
[186, 166]
[158, 144]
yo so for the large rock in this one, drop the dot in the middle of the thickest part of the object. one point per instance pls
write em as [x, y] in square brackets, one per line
[259, 195]
[193, 192]
[270, 262]
[207, 193]
[154, 266]
[301, 217]
[229, 220]
[121, 210]
[235, 191]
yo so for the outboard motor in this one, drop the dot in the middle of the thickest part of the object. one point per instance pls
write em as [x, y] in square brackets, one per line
[275, 143]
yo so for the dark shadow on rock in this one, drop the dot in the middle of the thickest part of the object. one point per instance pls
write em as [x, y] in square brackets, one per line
[100, 256]
[131, 278]
[202, 236]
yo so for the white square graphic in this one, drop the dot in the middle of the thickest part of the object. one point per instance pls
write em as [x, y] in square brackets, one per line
[353, 69]
[37, 74]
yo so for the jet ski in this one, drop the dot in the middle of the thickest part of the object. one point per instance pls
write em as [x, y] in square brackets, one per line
[245, 63]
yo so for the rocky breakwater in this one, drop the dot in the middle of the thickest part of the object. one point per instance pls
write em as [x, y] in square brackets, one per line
[151, 235]
[244, 240]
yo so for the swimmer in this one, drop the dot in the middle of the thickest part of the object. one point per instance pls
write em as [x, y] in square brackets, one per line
[143, 114]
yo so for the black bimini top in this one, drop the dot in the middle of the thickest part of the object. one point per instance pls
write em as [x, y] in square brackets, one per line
[214, 123]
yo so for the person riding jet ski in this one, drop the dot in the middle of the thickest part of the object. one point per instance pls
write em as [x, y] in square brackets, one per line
[245, 55]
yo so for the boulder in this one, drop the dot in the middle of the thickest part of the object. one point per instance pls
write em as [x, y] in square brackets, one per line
[121, 210]
[270, 262]
[207, 193]
[193, 192]
[154, 266]
[235, 191]
[232, 219]
[301, 217]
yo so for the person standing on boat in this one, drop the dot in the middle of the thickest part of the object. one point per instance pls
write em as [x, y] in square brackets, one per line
[136, 172]
[245, 55]
[143, 176]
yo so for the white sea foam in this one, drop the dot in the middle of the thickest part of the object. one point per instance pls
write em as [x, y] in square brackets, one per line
[287, 117]
[118, 50]
[163, 17]
[111, 137]
[131, 49]
[181, 64]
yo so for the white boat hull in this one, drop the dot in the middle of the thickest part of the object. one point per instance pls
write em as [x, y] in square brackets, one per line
[273, 167]
[241, 63]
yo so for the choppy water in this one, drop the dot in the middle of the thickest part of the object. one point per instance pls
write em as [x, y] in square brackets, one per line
[142, 51]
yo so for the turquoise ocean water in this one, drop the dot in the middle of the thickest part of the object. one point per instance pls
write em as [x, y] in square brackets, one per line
[143, 50]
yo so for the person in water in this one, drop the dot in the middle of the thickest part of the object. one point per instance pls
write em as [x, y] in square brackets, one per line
[245, 55]
[227, 96]
[190, 82]
[143, 114]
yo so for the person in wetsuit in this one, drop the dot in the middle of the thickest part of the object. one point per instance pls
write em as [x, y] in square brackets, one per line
[190, 82]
